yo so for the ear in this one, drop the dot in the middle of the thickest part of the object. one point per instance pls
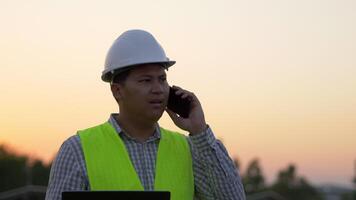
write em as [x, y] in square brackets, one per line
[116, 90]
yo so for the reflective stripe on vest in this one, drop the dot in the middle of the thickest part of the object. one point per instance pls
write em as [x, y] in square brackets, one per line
[109, 166]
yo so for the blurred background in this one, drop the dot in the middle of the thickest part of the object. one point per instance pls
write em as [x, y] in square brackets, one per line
[277, 81]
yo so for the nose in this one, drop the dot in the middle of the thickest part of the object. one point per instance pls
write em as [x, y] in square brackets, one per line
[157, 87]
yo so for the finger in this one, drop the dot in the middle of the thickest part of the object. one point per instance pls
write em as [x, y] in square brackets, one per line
[179, 91]
[176, 87]
[183, 92]
[170, 113]
[185, 95]
[173, 115]
[178, 121]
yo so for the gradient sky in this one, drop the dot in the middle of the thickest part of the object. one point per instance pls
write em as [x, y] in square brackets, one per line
[277, 78]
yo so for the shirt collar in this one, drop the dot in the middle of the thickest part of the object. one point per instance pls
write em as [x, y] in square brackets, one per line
[156, 135]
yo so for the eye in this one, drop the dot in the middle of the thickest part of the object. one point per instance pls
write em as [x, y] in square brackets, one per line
[146, 80]
[163, 79]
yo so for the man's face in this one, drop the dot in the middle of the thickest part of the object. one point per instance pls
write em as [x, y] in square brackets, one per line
[144, 94]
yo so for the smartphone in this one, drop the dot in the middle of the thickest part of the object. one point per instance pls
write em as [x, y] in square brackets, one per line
[177, 104]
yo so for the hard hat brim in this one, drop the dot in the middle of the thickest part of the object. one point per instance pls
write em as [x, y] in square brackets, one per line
[108, 75]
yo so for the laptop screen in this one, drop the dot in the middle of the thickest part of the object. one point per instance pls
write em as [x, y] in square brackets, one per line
[116, 195]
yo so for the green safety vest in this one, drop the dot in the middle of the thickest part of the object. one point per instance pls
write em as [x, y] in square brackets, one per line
[109, 166]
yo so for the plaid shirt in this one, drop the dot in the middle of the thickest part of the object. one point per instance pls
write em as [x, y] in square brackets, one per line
[215, 176]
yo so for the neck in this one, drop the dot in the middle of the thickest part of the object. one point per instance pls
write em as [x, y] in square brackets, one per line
[136, 128]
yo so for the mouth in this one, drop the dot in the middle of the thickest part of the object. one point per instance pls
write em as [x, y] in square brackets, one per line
[156, 102]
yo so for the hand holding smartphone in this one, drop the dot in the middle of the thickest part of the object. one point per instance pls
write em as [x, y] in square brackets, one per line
[177, 104]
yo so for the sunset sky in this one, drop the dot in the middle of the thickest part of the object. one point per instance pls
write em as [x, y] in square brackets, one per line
[277, 78]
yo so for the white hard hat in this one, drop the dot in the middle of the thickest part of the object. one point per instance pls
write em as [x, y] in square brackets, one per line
[133, 47]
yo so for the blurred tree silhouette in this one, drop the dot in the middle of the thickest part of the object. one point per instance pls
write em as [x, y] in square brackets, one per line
[293, 187]
[253, 178]
[351, 195]
[17, 170]
[354, 179]
[236, 163]
[12, 169]
[39, 173]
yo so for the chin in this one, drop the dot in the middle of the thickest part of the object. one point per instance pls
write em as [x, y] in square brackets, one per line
[155, 116]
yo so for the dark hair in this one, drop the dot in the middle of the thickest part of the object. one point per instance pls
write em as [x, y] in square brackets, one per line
[121, 77]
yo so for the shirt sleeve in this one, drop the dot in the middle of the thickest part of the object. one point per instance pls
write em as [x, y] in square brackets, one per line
[215, 175]
[66, 173]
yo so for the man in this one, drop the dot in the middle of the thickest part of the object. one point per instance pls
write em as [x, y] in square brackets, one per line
[130, 151]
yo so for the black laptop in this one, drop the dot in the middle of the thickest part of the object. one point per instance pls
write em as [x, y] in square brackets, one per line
[116, 195]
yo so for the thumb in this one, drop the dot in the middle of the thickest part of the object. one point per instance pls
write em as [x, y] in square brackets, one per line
[176, 119]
